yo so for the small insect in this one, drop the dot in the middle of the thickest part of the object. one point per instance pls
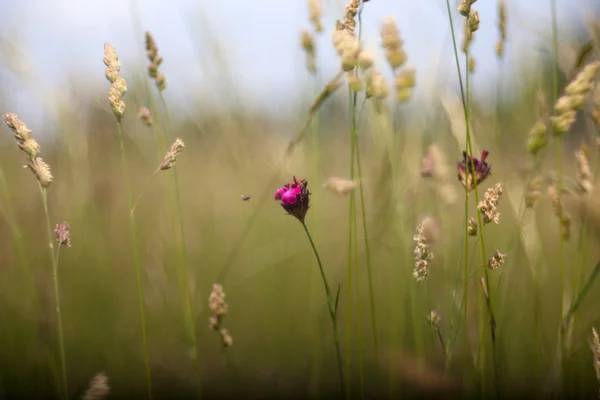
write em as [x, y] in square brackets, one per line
[246, 198]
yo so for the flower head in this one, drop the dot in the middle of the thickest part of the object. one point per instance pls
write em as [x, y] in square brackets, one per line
[63, 237]
[473, 171]
[172, 155]
[294, 198]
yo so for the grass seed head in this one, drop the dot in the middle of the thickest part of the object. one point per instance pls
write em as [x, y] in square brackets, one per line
[172, 154]
[63, 236]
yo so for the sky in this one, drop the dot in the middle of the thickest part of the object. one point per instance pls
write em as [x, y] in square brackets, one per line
[216, 51]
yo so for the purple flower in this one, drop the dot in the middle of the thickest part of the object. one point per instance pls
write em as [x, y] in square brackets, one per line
[473, 171]
[294, 198]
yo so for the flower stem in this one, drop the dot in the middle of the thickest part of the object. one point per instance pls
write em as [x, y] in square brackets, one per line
[54, 258]
[136, 262]
[332, 310]
[184, 254]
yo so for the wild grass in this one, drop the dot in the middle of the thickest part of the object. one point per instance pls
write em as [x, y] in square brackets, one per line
[481, 286]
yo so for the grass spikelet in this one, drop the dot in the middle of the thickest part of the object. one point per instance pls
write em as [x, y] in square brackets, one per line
[488, 206]
[501, 28]
[423, 251]
[584, 172]
[496, 261]
[160, 80]
[564, 218]
[339, 186]
[145, 116]
[349, 22]
[315, 11]
[98, 388]
[219, 308]
[308, 45]
[596, 353]
[565, 108]
[172, 155]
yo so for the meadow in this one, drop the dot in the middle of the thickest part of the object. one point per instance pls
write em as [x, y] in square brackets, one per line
[377, 249]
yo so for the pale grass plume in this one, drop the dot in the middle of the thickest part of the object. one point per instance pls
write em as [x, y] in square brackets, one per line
[340, 186]
[489, 205]
[63, 236]
[423, 248]
[172, 155]
[118, 85]
[472, 227]
[564, 218]
[534, 191]
[315, 11]
[500, 45]
[596, 353]
[349, 22]
[145, 116]
[497, 260]
[308, 45]
[31, 148]
[596, 107]
[405, 79]
[433, 318]
[376, 89]
[347, 48]
[584, 172]
[576, 92]
[464, 8]
[98, 388]
[392, 44]
[434, 166]
[219, 308]
[160, 80]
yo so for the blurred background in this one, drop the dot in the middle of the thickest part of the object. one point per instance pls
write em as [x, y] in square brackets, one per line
[237, 91]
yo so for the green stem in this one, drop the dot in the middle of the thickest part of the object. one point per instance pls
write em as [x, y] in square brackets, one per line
[142, 191]
[367, 251]
[332, 310]
[61, 342]
[136, 260]
[581, 296]
[351, 224]
[351, 230]
[186, 289]
[358, 315]
[559, 184]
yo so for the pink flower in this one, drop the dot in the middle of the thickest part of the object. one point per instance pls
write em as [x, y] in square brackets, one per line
[294, 198]
[472, 171]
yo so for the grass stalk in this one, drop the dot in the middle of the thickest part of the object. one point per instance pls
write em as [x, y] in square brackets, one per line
[136, 261]
[184, 254]
[351, 230]
[54, 258]
[332, 306]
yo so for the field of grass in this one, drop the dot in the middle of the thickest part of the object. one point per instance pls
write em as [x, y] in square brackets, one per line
[399, 281]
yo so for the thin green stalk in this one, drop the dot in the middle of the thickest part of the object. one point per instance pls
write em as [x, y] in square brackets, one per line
[367, 250]
[136, 260]
[359, 315]
[187, 292]
[470, 153]
[135, 204]
[559, 184]
[364, 215]
[61, 342]
[351, 224]
[332, 310]
[580, 297]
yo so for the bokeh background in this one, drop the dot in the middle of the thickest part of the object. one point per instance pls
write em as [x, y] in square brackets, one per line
[238, 90]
